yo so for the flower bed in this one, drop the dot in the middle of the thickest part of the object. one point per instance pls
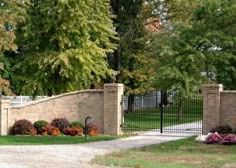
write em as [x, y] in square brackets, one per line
[59, 126]
[215, 138]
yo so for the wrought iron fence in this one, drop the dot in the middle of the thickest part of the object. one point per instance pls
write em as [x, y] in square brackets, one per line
[164, 113]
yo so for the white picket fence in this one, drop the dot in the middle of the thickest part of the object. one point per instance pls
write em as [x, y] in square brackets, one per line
[151, 100]
[19, 100]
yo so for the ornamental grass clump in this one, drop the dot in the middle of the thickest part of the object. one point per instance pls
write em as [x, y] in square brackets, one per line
[23, 127]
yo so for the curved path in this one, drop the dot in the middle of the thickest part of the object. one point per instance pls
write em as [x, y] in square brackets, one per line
[72, 156]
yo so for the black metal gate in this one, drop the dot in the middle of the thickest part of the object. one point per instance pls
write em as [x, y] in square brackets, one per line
[165, 112]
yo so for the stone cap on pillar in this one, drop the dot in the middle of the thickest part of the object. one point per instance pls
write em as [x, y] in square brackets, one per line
[213, 85]
[212, 88]
[113, 84]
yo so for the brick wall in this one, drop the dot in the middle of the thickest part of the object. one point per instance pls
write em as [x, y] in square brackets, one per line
[219, 107]
[104, 108]
[228, 108]
[74, 106]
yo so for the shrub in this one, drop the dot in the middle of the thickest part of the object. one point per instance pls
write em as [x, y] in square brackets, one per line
[73, 131]
[50, 130]
[70, 131]
[33, 131]
[38, 125]
[60, 123]
[229, 139]
[93, 130]
[224, 129]
[213, 138]
[76, 124]
[22, 127]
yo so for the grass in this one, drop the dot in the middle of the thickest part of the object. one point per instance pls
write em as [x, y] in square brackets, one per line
[145, 119]
[46, 140]
[184, 153]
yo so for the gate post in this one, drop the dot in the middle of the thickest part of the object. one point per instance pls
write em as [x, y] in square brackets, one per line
[4, 116]
[211, 106]
[113, 111]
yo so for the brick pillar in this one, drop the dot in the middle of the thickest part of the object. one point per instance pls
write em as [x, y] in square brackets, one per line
[113, 108]
[211, 106]
[4, 116]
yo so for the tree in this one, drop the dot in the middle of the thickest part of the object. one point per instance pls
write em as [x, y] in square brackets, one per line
[185, 51]
[172, 11]
[131, 58]
[11, 14]
[219, 42]
[64, 44]
[179, 64]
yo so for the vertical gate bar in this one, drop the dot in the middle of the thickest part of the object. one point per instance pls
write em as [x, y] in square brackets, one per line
[136, 111]
[161, 108]
[195, 110]
[201, 114]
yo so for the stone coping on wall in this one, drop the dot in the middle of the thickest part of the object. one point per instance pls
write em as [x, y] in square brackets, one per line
[58, 96]
[228, 91]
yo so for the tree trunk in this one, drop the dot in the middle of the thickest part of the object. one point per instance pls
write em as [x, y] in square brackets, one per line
[180, 109]
[165, 98]
[130, 103]
[115, 4]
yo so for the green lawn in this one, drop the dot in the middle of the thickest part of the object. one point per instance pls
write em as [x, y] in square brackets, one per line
[43, 140]
[145, 119]
[177, 154]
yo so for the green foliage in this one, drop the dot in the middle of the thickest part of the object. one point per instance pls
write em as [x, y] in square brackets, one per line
[206, 45]
[60, 123]
[76, 124]
[11, 14]
[22, 127]
[173, 10]
[131, 57]
[219, 41]
[179, 64]
[175, 154]
[38, 125]
[64, 44]
[43, 140]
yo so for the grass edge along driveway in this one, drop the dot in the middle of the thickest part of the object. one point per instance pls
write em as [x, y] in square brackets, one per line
[185, 153]
[52, 140]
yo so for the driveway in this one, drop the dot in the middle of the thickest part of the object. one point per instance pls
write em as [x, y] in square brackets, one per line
[72, 156]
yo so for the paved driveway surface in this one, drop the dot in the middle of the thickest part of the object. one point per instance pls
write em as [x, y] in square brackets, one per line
[71, 156]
